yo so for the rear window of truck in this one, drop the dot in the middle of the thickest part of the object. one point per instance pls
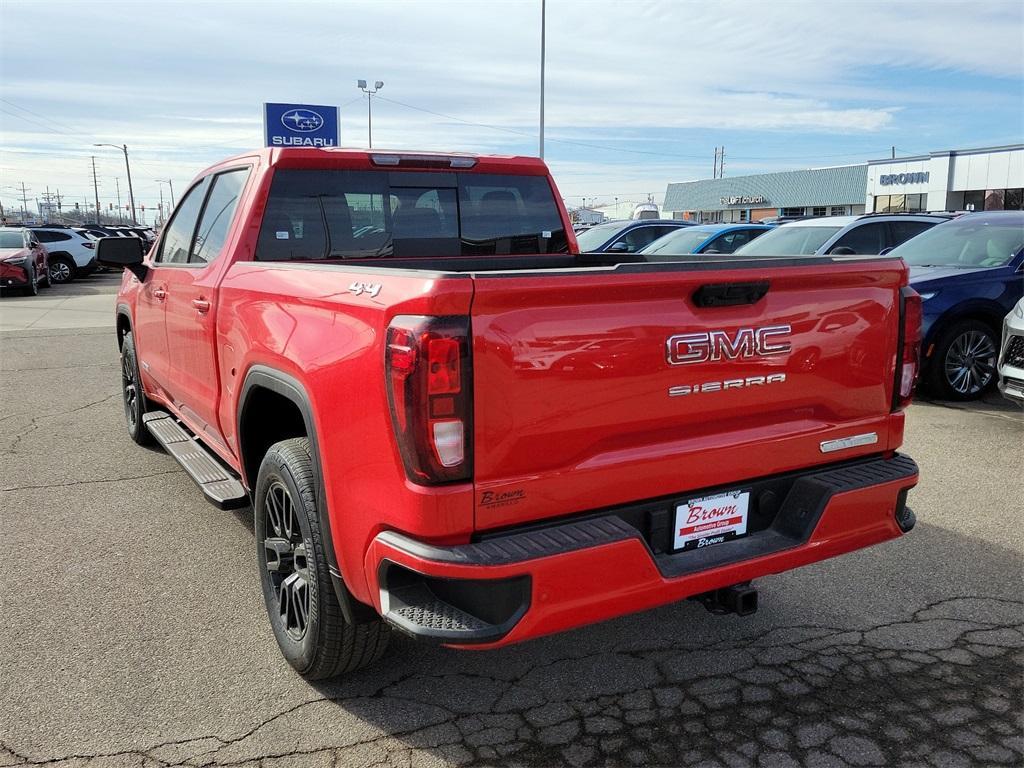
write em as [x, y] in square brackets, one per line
[338, 214]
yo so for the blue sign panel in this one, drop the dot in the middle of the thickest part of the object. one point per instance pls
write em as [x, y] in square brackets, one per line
[301, 125]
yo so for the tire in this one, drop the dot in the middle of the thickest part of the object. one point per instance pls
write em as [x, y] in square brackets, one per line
[304, 613]
[32, 287]
[45, 282]
[963, 366]
[132, 396]
[62, 270]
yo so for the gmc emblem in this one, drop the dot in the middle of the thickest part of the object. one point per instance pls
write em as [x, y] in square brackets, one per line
[688, 348]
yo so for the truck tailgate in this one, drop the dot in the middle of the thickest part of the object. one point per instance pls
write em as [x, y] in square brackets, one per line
[600, 387]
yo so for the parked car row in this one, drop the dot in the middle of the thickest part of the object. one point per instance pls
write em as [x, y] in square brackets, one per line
[64, 253]
[968, 268]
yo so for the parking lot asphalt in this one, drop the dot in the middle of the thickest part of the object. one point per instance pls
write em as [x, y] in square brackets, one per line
[134, 631]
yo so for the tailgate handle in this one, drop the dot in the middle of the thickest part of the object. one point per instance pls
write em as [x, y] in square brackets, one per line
[730, 294]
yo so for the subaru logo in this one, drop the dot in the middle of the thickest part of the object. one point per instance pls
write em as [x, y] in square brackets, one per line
[302, 120]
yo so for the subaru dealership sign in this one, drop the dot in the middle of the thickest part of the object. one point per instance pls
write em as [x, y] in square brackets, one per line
[301, 125]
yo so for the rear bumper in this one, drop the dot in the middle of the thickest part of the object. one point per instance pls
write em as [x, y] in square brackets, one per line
[534, 582]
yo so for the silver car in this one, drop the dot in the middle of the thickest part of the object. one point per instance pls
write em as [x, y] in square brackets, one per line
[1011, 356]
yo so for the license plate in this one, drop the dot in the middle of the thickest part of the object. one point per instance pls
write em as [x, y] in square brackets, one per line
[711, 520]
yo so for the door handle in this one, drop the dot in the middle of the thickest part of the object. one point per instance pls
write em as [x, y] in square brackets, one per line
[159, 294]
[202, 305]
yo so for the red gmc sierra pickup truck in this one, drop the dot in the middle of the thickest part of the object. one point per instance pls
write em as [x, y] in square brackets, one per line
[449, 421]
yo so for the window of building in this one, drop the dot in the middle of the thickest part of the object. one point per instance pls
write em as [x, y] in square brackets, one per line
[1014, 200]
[975, 200]
[837, 210]
[881, 203]
[820, 210]
[744, 216]
[915, 202]
[792, 212]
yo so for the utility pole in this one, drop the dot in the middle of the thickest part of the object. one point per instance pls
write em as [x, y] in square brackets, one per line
[96, 189]
[543, 32]
[721, 164]
[161, 203]
[714, 168]
[24, 202]
[117, 186]
[893, 151]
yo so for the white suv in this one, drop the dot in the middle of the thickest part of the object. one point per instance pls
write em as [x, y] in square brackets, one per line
[842, 235]
[1011, 359]
[72, 254]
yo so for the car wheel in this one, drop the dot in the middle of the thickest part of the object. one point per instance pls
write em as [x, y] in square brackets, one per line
[304, 612]
[45, 282]
[963, 365]
[134, 399]
[61, 270]
[32, 287]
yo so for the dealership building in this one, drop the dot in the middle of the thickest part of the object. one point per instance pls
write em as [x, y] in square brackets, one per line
[949, 180]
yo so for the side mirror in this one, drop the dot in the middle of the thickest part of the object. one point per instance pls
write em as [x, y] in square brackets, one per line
[620, 247]
[121, 252]
[843, 250]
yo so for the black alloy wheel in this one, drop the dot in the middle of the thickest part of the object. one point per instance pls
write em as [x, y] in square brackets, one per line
[304, 611]
[32, 286]
[132, 395]
[286, 561]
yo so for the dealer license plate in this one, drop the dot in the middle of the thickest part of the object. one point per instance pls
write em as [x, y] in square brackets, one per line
[711, 520]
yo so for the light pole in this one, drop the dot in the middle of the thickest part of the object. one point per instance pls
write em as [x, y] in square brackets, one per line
[543, 25]
[128, 170]
[170, 184]
[361, 84]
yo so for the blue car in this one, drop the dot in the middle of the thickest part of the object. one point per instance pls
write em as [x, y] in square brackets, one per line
[706, 238]
[626, 236]
[970, 273]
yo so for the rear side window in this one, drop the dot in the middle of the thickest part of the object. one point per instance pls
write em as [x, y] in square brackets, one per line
[45, 236]
[377, 214]
[218, 214]
[865, 239]
[904, 230]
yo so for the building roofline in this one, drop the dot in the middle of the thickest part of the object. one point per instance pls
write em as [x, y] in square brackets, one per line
[947, 153]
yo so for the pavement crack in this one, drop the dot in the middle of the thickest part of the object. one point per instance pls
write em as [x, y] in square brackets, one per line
[74, 483]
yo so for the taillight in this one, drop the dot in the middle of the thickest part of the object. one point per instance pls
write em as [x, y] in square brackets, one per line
[89, 244]
[909, 362]
[430, 394]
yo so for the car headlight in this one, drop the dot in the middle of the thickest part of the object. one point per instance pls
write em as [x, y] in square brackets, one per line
[16, 260]
[930, 294]
[1018, 309]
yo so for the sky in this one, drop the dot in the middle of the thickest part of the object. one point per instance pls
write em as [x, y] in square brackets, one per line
[638, 94]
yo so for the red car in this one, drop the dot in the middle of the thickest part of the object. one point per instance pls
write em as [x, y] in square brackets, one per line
[23, 261]
[450, 422]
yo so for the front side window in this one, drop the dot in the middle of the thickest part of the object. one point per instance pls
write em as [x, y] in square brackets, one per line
[904, 230]
[177, 242]
[218, 215]
[339, 214]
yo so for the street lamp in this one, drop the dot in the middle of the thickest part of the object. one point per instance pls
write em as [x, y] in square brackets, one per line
[170, 184]
[128, 169]
[361, 84]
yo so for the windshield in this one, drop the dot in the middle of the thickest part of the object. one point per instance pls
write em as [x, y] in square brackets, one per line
[965, 242]
[11, 239]
[685, 240]
[329, 214]
[789, 241]
[595, 237]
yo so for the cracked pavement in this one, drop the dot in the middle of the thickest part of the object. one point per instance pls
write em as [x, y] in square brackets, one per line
[135, 632]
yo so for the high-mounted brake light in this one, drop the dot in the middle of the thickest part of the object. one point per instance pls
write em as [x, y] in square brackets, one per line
[423, 161]
[908, 364]
[430, 395]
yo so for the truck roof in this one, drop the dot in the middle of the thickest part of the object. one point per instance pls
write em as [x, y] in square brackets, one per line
[341, 158]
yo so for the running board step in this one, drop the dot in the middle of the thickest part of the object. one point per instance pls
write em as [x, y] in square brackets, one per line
[219, 486]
